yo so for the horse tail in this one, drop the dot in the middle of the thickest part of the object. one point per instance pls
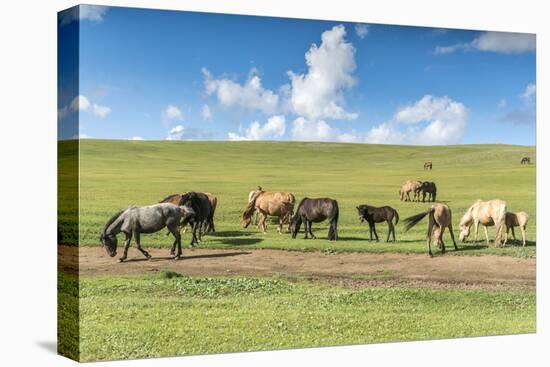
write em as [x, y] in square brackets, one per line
[251, 206]
[396, 216]
[431, 223]
[168, 198]
[413, 220]
[333, 230]
[111, 221]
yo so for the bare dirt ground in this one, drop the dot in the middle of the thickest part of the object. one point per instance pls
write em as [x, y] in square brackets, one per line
[346, 269]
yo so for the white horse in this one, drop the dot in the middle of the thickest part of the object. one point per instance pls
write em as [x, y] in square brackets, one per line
[487, 213]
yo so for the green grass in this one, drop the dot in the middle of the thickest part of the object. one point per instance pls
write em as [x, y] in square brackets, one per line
[169, 314]
[116, 174]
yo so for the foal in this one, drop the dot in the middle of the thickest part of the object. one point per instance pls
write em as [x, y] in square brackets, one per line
[512, 220]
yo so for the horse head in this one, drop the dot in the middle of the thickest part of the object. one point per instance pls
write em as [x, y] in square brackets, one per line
[109, 243]
[294, 225]
[465, 224]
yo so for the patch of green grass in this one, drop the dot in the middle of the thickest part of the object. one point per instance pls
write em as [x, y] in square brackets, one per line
[68, 316]
[152, 316]
[116, 174]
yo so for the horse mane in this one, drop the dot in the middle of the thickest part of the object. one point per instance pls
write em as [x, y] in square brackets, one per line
[297, 212]
[168, 198]
[251, 206]
[413, 220]
[111, 220]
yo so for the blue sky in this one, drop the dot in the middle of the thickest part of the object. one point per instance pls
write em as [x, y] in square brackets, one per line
[155, 75]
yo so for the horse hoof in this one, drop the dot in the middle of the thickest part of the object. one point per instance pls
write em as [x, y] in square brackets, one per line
[177, 257]
[121, 260]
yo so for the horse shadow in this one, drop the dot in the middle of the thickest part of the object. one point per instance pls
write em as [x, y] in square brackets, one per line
[230, 234]
[241, 241]
[184, 256]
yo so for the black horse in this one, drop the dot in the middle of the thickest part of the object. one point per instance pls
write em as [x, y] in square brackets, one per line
[428, 165]
[525, 160]
[315, 210]
[429, 188]
[372, 215]
[201, 215]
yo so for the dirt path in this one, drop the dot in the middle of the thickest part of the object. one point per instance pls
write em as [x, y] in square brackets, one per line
[350, 269]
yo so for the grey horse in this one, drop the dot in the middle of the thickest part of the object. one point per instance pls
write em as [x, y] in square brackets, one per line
[146, 219]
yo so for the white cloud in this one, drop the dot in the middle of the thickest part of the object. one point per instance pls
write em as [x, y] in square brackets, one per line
[501, 42]
[362, 30]
[136, 138]
[529, 94]
[429, 121]
[251, 95]
[318, 93]
[62, 112]
[206, 113]
[274, 128]
[176, 133]
[172, 112]
[384, 133]
[502, 103]
[313, 130]
[100, 111]
[92, 13]
[80, 103]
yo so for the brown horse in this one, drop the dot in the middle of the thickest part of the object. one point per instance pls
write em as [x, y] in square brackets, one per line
[408, 187]
[428, 165]
[176, 198]
[518, 219]
[439, 218]
[276, 204]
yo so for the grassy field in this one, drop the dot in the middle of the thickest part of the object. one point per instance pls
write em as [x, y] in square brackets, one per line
[166, 314]
[116, 174]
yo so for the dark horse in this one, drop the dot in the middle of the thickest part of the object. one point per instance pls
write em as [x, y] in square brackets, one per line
[429, 188]
[428, 165]
[373, 215]
[146, 219]
[525, 160]
[202, 213]
[315, 210]
[176, 198]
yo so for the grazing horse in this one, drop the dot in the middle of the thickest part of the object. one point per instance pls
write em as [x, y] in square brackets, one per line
[408, 187]
[429, 188]
[525, 160]
[512, 220]
[176, 198]
[146, 219]
[202, 213]
[373, 215]
[276, 204]
[316, 210]
[487, 213]
[428, 165]
[250, 195]
[439, 218]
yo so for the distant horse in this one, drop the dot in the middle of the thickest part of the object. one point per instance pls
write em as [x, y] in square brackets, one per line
[428, 165]
[276, 204]
[487, 213]
[372, 215]
[429, 188]
[202, 213]
[408, 187]
[512, 220]
[314, 211]
[146, 219]
[525, 160]
[439, 218]
[176, 198]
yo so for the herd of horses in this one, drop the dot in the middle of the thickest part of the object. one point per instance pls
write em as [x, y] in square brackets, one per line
[197, 210]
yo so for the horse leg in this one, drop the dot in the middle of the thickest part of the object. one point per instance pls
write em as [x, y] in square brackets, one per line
[370, 230]
[476, 228]
[393, 231]
[452, 235]
[305, 228]
[513, 234]
[309, 229]
[137, 238]
[389, 231]
[487, 235]
[177, 242]
[522, 228]
[127, 241]
[374, 230]
[442, 243]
